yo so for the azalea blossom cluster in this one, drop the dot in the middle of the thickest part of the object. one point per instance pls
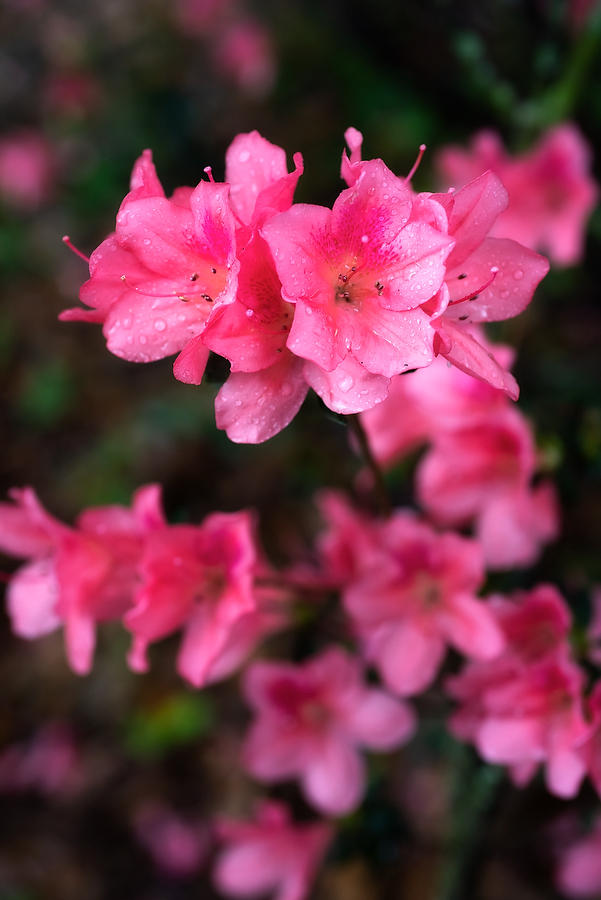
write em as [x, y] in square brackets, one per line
[294, 296]
[481, 467]
[377, 305]
[127, 564]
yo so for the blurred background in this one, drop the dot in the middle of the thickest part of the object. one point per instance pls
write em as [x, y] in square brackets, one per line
[94, 772]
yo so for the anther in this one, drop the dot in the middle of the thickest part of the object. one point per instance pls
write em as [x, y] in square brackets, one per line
[463, 275]
[194, 276]
[213, 270]
[209, 173]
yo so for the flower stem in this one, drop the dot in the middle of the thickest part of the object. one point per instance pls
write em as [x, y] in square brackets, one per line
[380, 490]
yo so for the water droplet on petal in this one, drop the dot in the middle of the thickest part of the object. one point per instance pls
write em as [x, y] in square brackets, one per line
[244, 156]
[518, 274]
[346, 383]
[160, 324]
[250, 313]
[364, 238]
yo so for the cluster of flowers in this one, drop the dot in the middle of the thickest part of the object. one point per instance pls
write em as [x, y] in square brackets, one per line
[297, 295]
[480, 463]
[120, 564]
[408, 592]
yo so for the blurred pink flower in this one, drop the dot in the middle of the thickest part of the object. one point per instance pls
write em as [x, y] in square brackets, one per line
[178, 846]
[202, 579]
[416, 596]
[579, 869]
[310, 720]
[525, 707]
[551, 190]
[27, 169]
[270, 854]
[244, 53]
[77, 576]
[49, 762]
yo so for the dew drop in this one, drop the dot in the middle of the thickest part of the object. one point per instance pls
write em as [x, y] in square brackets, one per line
[250, 313]
[364, 238]
[346, 383]
[504, 294]
[146, 242]
[518, 274]
[160, 324]
[244, 156]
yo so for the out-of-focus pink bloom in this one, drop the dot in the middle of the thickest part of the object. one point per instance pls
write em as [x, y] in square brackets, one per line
[415, 596]
[351, 542]
[271, 854]
[49, 762]
[177, 845]
[72, 93]
[423, 404]
[202, 579]
[311, 718]
[201, 16]
[266, 387]
[591, 751]
[579, 870]
[156, 280]
[483, 472]
[551, 191]
[27, 169]
[481, 461]
[77, 576]
[244, 53]
[358, 275]
[525, 707]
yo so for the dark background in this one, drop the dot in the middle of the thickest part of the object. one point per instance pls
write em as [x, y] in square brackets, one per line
[100, 82]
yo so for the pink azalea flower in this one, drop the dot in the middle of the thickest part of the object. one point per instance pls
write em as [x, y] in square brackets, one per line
[358, 275]
[177, 845]
[27, 169]
[202, 579]
[525, 707]
[551, 191]
[579, 870]
[156, 280]
[487, 279]
[267, 385]
[311, 718]
[271, 854]
[77, 576]
[414, 597]
[483, 472]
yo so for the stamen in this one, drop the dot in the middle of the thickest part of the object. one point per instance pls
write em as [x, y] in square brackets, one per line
[199, 288]
[71, 246]
[415, 166]
[209, 172]
[473, 295]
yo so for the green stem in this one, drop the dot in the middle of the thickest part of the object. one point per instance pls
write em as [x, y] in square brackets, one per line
[465, 847]
[380, 490]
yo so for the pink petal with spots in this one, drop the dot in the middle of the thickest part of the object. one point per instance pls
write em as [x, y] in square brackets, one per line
[519, 272]
[349, 388]
[253, 407]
